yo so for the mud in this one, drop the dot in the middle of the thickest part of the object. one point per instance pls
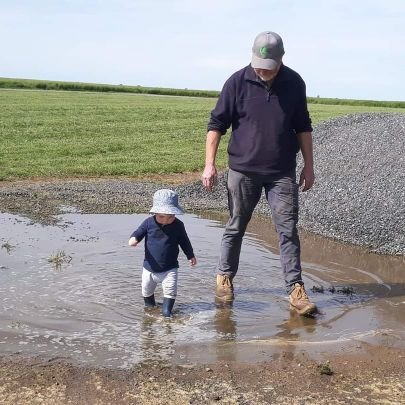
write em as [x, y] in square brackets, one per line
[375, 378]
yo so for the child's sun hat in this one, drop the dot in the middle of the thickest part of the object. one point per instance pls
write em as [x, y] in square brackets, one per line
[166, 201]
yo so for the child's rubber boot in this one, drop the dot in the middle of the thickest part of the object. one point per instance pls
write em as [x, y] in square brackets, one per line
[149, 301]
[167, 306]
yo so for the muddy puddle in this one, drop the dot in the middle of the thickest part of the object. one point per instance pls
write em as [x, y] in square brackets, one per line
[73, 291]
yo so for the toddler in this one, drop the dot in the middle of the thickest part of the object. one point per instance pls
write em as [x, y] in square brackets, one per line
[163, 234]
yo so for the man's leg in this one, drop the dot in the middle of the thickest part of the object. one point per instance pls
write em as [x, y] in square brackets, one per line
[243, 195]
[282, 195]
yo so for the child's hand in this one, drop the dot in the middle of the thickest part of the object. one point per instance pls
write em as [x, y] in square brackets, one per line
[132, 241]
[193, 261]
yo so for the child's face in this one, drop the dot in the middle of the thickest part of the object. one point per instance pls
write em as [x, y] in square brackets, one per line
[164, 219]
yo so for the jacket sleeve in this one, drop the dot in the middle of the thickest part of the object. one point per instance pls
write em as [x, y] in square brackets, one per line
[185, 243]
[141, 232]
[222, 115]
[301, 118]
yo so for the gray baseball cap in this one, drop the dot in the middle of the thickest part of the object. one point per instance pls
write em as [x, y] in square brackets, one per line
[166, 201]
[267, 50]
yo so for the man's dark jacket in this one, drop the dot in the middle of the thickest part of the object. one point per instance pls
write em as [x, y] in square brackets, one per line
[265, 121]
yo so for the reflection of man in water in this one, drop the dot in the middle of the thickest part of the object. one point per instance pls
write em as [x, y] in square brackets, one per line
[225, 326]
[289, 330]
[224, 322]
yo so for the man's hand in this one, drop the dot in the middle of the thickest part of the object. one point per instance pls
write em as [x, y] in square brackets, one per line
[307, 178]
[193, 261]
[209, 177]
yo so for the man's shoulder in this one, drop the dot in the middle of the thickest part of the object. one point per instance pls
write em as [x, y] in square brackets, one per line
[287, 73]
[241, 72]
[239, 75]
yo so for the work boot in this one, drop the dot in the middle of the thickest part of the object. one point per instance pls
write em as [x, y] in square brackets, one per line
[149, 301]
[224, 290]
[300, 302]
[167, 306]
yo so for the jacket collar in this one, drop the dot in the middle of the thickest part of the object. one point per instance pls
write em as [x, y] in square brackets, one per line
[282, 75]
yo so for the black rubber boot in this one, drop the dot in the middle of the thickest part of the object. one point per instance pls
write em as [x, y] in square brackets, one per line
[167, 306]
[150, 301]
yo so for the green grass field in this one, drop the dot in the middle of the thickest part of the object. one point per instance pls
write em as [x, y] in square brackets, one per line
[86, 134]
[31, 84]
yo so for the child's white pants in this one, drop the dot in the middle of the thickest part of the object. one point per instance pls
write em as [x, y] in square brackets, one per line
[167, 278]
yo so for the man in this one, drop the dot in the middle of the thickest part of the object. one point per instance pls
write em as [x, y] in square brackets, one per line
[265, 104]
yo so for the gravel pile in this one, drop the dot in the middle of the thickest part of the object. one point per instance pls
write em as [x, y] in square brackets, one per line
[359, 195]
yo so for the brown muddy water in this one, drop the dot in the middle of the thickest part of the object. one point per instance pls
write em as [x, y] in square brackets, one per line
[89, 310]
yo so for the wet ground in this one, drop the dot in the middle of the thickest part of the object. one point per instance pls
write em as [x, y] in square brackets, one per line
[72, 291]
[72, 329]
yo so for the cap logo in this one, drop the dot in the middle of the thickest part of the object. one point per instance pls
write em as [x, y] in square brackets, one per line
[264, 51]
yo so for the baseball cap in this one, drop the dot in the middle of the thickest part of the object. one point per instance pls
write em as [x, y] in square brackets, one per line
[267, 50]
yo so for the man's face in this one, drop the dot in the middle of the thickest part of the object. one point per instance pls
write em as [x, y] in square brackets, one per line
[266, 74]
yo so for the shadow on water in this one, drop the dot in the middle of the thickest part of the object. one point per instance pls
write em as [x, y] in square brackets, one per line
[89, 309]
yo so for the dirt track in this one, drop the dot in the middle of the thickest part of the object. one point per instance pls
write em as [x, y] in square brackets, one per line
[376, 377]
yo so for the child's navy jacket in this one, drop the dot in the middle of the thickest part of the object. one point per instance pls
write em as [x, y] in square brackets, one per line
[162, 244]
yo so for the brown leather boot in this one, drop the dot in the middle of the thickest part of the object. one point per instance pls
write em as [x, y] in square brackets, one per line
[224, 290]
[300, 302]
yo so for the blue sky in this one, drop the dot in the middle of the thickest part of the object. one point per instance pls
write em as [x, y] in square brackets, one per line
[346, 49]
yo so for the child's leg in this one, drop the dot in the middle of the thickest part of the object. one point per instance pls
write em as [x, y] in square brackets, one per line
[148, 288]
[169, 285]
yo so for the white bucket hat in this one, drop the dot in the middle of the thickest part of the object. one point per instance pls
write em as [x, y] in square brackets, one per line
[166, 201]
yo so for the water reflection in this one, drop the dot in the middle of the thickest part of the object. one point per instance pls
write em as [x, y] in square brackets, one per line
[292, 328]
[224, 321]
[157, 337]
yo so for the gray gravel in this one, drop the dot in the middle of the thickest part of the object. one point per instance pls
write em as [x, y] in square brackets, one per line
[359, 196]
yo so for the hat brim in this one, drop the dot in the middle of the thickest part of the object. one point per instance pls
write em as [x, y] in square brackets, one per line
[260, 63]
[166, 209]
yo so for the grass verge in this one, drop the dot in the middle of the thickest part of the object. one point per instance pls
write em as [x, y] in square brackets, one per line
[94, 134]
